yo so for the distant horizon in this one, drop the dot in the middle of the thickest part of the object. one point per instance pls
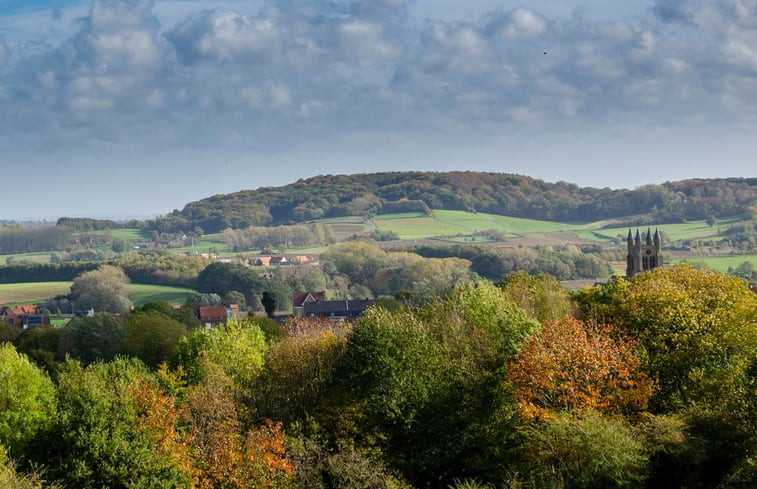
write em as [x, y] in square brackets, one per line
[136, 107]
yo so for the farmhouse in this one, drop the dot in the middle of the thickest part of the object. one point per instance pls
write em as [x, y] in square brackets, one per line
[21, 317]
[212, 315]
[346, 309]
[300, 298]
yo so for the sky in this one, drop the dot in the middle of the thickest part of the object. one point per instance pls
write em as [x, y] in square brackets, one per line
[133, 108]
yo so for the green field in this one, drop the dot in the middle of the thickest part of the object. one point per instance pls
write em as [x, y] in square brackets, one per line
[37, 292]
[142, 294]
[695, 230]
[32, 292]
[130, 234]
[399, 215]
[451, 223]
[722, 263]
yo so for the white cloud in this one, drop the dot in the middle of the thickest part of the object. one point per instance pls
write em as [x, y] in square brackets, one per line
[524, 23]
[326, 67]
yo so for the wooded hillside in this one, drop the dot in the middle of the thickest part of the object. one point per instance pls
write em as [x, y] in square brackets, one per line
[498, 193]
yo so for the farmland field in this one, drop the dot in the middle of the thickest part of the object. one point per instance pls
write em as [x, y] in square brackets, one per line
[449, 224]
[444, 223]
[37, 292]
[722, 263]
[142, 294]
[131, 234]
[31, 292]
[680, 231]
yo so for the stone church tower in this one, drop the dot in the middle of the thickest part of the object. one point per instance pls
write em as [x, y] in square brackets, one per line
[643, 256]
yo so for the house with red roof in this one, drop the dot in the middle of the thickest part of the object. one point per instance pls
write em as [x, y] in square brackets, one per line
[22, 316]
[300, 298]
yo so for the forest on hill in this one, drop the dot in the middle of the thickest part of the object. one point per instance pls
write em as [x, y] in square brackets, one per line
[329, 196]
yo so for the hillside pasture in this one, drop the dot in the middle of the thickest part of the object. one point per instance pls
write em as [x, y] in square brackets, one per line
[455, 225]
[38, 292]
[694, 230]
[512, 225]
[128, 234]
[141, 294]
[32, 292]
[413, 228]
[347, 228]
[720, 263]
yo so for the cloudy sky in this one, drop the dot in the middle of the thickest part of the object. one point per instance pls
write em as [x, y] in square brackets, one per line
[124, 108]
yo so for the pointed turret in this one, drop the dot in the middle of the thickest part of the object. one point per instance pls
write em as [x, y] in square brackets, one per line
[657, 239]
[649, 237]
[637, 239]
[629, 240]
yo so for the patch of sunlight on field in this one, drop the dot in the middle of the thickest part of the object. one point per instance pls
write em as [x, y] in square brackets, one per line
[420, 227]
[513, 225]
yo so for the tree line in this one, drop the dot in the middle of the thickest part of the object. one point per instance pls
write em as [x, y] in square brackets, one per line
[496, 193]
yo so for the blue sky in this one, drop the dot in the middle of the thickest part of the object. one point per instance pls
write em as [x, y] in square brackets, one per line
[126, 108]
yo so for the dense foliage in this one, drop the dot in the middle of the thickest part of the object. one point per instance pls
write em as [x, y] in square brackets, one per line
[496, 193]
[18, 239]
[646, 383]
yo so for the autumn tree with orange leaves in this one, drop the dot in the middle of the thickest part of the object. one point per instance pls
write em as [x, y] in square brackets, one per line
[225, 455]
[571, 365]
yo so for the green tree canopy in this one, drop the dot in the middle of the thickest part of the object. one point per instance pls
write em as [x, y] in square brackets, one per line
[104, 290]
[152, 336]
[699, 329]
[238, 347]
[27, 400]
[100, 337]
[105, 435]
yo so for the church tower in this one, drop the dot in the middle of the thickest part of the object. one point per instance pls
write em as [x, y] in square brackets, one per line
[643, 254]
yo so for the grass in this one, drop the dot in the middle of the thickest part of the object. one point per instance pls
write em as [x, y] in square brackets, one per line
[512, 225]
[141, 294]
[444, 223]
[419, 227]
[32, 292]
[449, 224]
[129, 234]
[399, 215]
[38, 292]
[721, 263]
[694, 230]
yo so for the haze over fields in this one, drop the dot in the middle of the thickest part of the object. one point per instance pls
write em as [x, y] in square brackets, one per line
[120, 108]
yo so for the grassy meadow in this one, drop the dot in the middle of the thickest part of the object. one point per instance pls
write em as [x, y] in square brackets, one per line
[450, 224]
[444, 223]
[721, 263]
[38, 292]
[129, 234]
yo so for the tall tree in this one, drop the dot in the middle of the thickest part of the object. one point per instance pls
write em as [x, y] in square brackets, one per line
[105, 289]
